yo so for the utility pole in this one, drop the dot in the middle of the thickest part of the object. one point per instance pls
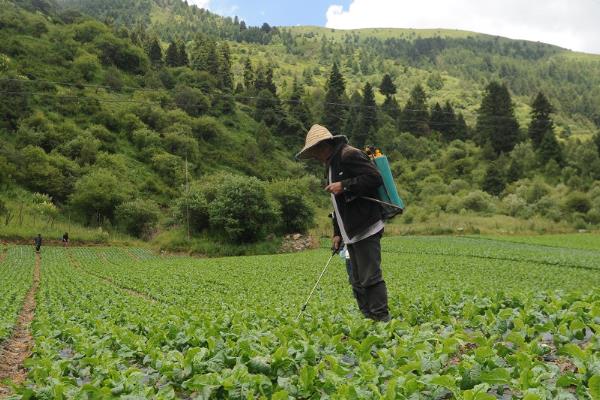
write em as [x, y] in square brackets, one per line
[187, 199]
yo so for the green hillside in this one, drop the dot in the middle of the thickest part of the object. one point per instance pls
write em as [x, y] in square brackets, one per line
[138, 119]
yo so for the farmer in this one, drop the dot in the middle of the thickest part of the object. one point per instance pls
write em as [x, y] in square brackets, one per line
[38, 242]
[65, 239]
[356, 221]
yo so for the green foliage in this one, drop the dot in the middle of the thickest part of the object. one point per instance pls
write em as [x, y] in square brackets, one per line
[577, 202]
[97, 194]
[138, 217]
[541, 122]
[334, 108]
[415, 114]
[296, 212]
[494, 181]
[496, 122]
[241, 211]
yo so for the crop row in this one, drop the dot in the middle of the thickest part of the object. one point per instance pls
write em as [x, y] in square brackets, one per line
[463, 327]
[16, 272]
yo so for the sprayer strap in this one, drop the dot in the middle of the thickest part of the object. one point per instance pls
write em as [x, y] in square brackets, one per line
[382, 202]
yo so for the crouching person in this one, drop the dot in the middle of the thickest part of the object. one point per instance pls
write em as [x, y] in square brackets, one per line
[357, 221]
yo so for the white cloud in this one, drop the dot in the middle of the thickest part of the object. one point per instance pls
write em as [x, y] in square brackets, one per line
[200, 3]
[568, 23]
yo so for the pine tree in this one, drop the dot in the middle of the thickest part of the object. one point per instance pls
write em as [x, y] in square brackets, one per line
[248, 74]
[415, 115]
[549, 149]
[269, 84]
[391, 107]
[450, 126]
[541, 122]
[182, 60]
[367, 124]
[496, 122]
[297, 108]
[515, 172]
[462, 130]
[437, 122]
[494, 182]
[155, 52]
[225, 75]
[387, 87]
[352, 125]
[172, 55]
[334, 110]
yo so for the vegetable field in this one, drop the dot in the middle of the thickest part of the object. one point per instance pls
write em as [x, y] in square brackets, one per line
[473, 318]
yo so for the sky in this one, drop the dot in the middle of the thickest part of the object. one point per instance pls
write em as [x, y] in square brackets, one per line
[573, 24]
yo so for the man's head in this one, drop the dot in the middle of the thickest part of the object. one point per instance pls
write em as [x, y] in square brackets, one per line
[320, 144]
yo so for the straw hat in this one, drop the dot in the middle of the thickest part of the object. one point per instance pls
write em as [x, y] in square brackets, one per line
[316, 135]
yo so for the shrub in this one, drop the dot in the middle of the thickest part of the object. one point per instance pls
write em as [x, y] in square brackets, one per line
[98, 194]
[515, 206]
[191, 100]
[138, 217]
[241, 211]
[577, 202]
[297, 214]
[477, 201]
[207, 128]
[194, 206]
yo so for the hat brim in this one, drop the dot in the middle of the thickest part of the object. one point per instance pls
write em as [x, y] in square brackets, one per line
[305, 153]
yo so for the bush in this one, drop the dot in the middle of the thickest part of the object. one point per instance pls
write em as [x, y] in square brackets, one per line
[515, 206]
[241, 211]
[97, 194]
[138, 217]
[577, 202]
[478, 201]
[191, 100]
[297, 214]
[195, 206]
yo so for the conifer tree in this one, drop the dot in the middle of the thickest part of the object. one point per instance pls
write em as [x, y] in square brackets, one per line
[155, 52]
[462, 131]
[387, 87]
[549, 149]
[541, 121]
[437, 121]
[172, 55]
[334, 107]
[248, 75]
[450, 125]
[515, 171]
[494, 182]
[225, 75]
[351, 124]
[297, 108]
[183, 60]
[367, 124]
[415, 115]
[496, 122]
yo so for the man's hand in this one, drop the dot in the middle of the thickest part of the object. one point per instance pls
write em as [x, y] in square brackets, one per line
[335, 188]
[336, 242]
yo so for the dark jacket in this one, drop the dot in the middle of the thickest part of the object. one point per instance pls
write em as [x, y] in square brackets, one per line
[359, 177]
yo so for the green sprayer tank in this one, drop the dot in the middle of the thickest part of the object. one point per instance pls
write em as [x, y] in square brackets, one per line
[387, 192]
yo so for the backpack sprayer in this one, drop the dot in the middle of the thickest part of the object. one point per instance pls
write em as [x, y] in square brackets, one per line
[387, 193]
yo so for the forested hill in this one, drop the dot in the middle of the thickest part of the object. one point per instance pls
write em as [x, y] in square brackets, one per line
[111, 108]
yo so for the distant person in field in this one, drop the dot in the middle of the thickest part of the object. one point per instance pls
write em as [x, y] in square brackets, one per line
[357, 222]
[38, 242]
[65, 239]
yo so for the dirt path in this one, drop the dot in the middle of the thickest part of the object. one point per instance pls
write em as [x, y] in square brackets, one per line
[18, 347]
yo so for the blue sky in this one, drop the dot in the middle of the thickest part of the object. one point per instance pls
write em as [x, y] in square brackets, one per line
[280, 13]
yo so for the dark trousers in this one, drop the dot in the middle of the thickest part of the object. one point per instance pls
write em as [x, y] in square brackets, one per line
[367, 279]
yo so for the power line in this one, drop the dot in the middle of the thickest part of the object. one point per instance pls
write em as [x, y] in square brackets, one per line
[218, 95]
